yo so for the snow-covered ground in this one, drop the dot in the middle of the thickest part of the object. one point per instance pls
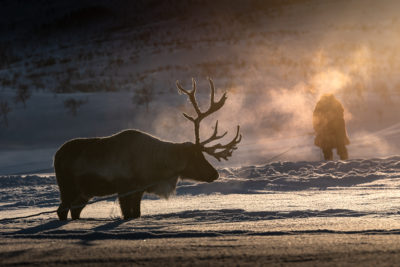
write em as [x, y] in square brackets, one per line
[354, 195]
[355, 199]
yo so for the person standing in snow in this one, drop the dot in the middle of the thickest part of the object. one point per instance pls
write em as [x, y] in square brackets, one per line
[329, 127]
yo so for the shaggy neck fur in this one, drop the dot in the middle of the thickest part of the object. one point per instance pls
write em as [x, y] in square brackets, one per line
[171, 166]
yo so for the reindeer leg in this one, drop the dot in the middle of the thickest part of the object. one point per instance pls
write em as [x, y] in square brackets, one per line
[77, 206]
[125, 204]
[62, 211]
[135, 202]
[67, 194]
[130, 205]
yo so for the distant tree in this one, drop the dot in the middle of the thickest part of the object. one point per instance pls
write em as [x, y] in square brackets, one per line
[4, 110]
[22, 95]
[144, 96]
[72, 105]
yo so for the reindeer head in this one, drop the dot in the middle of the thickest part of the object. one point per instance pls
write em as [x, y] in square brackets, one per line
[218, 150]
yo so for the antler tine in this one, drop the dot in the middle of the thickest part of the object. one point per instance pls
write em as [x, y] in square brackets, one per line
[191, 94]
[182, 90]
[192, 98]
[214, 106]
[214, 136]
[212, 90]
[226, 149]
[194, 86]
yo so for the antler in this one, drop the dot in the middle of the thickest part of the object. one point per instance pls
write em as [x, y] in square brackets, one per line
[218, 151]
[225, 150]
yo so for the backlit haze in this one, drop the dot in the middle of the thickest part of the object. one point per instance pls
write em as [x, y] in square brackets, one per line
[274, 58]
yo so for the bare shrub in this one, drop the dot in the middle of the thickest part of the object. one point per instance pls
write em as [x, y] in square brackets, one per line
[45, 62]
[8, 55]
[72, 105]
[144, 95]
[4, 110]
[22, 94]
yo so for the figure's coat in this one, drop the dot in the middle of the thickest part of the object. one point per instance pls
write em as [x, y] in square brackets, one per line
[329, 126]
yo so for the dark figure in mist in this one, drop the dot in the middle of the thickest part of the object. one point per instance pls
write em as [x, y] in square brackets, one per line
[329, 127]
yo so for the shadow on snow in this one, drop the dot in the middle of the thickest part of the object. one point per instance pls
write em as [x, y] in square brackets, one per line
[157, 226]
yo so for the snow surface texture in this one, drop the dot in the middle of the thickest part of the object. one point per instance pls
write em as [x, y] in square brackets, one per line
[355, 196]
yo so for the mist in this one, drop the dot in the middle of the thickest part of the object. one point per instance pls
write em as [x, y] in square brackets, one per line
[273, 97]
[274, 65]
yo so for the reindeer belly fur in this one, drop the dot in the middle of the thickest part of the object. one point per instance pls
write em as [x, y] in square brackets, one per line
[164, 189]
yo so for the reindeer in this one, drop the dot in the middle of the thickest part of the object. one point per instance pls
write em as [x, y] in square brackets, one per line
[132, 162]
